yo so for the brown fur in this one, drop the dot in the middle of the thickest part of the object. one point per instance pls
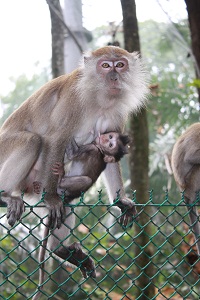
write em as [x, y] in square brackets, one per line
[78, 105]
[186, 169]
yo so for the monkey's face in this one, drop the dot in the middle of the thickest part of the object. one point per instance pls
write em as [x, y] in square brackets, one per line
[112, 71]
[108, 142]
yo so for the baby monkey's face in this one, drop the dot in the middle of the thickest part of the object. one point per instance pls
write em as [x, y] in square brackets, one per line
[108, 142]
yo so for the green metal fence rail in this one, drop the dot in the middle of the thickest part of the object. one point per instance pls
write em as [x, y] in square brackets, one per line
[117, 253]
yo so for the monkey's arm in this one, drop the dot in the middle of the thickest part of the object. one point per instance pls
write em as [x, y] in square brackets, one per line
[113, 181]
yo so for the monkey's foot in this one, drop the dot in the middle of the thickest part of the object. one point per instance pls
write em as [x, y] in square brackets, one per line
[129, 212]
[37, 187]
[56, 211]
[15, 208]
[75, 255]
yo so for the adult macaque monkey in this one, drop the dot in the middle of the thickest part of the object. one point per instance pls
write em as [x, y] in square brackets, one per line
[186, 169]
[95, 98]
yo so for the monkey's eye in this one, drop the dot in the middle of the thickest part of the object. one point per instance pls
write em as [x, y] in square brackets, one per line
[120, 64]
[110, 136]
[105, 65]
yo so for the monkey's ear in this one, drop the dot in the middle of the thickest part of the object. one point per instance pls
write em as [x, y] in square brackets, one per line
[86, 58]
[109, 159]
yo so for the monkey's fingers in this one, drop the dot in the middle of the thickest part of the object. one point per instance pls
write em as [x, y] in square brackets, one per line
[129, 212]
[56, 213]
[88, 268]
[37, 187]
[15, 208]
[57, 165]
[55, 172]
[86, 272]
[56, 218]
[127, 220]
[57, 169]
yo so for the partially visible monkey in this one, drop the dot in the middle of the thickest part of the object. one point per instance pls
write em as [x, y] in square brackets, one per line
[186, 169]
[95, 98]
[88, 162]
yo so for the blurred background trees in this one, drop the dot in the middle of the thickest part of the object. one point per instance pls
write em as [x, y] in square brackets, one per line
[173, 105]
[171, 51]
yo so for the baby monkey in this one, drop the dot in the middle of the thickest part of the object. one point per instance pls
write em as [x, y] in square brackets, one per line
[87, 163]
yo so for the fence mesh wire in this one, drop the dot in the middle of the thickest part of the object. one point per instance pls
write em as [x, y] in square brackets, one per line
[120, 254]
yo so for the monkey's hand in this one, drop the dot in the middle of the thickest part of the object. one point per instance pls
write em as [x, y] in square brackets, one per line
[56, 211]
[129, 212]
[58, 169]
[15, 208]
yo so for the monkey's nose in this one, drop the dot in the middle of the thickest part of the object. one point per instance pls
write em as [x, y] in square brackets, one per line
[113, 78]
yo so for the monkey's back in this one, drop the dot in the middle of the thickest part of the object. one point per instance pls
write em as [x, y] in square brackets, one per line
[43, 107]
[185, 150]
[88, 162]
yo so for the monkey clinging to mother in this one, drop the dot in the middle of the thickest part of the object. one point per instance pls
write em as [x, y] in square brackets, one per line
[96, 98]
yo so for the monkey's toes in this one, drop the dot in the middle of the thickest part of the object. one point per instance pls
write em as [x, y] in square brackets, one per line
[56, 214]
[37, 187]
[88, 268]
[80, 258]
[15, 209]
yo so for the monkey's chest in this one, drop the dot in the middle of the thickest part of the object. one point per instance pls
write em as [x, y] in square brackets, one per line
[92, 127]
[75, 169]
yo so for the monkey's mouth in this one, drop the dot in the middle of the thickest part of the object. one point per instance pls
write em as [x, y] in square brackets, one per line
[115, 90]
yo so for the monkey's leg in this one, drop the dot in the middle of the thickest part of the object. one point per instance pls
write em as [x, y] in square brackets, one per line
[76, 256]
[73, 253]
[194, 221]
[15, 168]
[74, 185]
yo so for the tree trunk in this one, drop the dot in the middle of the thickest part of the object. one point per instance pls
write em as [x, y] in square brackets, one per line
[193, 8]
[139, 166]
[57, 33]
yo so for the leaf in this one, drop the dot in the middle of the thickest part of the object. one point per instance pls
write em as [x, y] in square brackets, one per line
[195, 83]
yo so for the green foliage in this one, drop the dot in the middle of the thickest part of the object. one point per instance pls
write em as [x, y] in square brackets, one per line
[195, 83]
[113, 249]
[172, 107]
[23, 88]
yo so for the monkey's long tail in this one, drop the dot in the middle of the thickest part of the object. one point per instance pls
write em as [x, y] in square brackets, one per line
[41, 262]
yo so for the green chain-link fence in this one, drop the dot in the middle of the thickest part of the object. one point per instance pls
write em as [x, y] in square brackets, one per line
[119, 254]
